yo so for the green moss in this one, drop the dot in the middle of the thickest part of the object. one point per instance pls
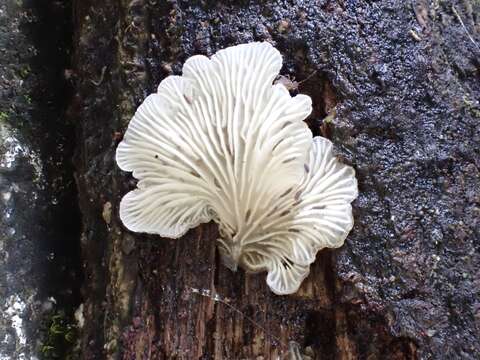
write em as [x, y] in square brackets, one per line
[3, 116]
[59, 337]
[24, 72]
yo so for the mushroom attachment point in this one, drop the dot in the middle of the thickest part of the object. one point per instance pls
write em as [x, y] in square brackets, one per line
[223, 143]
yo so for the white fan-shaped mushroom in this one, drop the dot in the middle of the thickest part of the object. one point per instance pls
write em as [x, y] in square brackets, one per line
[221, 142]
[317, 215]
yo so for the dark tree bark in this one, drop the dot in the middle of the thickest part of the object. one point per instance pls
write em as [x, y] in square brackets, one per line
[401, 83]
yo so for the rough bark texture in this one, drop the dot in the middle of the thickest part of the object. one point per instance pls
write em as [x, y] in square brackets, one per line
[400, 80]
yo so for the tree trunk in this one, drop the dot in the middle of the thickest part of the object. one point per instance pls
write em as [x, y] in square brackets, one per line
[399, 82]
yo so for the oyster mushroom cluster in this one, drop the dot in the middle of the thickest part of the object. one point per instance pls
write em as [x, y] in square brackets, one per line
[223, 143]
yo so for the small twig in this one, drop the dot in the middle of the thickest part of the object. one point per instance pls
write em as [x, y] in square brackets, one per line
[217, 298]
[418, 15]
[102, 75]
[308, 77]
[465, 28]
[414, 35]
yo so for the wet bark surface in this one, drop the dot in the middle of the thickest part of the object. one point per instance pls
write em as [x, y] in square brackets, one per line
[395, 85]
[400, 81]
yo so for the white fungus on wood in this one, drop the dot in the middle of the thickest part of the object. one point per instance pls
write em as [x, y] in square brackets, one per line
[222, 143]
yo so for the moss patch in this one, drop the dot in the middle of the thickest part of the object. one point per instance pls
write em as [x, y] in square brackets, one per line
[59, 337]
